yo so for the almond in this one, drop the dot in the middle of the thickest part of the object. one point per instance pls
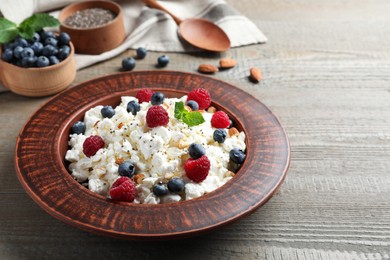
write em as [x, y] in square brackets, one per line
[212, 109]
[119, 160]
[233, 131]
[138, 178]
[207, 68]
[120, 125]
[255, 74]
[227, 63]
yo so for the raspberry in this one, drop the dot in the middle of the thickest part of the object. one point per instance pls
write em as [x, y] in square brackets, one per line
[197, 169]
[220, 120]
[144, 95]
[123, 189]
[156, 116]
[201, 96]
[92, 144]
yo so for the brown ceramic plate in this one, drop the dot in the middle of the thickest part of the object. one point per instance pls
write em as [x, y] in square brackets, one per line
[42, 143]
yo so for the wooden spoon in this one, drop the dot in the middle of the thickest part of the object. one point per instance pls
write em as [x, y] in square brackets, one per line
[198, 32]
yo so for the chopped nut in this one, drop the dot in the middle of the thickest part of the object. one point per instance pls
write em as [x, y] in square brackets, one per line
[207, 68]
[166, 105]
[138, 178]
[183, 144]
[187, 108]
[229, 174]
[119, 160]
[120, 125]
[255, 74]
[168, 175]
[96, 123]
[233, 131]
[227, 63]
[212, 109]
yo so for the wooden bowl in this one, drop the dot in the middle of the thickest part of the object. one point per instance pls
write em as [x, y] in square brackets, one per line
[41, 167]
[38, 82]
[95, 40]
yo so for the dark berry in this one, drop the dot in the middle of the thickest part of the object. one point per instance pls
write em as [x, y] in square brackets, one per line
[160, 189]
[49, 50]
[163, 61]
[156, 116]
[107, 111]
[63, 52]
[63, 38]
[18, 52]
[133, 107]
[176, 185]
[36, 37]
[29, 62]
[51, 41]
[237, 156]
[219, 135]
[193, 105]
[45, 34]
[141, 53]
[7, 55]
[79, 127]
[157, 98]
[37, 47]
[43, 62]
[27, 53]
[201, 96]
[21, 42]
[128, 64]
[54, 60]
[92, 144]
[126, 169]
[196, 150]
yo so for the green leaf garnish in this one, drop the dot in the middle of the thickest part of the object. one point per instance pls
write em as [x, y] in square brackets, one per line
[191, 118]
[9, 30]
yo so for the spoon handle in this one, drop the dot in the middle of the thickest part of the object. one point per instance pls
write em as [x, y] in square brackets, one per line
[156, 5]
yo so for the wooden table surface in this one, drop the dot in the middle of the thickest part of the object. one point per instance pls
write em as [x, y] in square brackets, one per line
[327, 76]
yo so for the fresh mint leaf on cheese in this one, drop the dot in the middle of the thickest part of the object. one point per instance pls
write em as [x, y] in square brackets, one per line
[190, 118]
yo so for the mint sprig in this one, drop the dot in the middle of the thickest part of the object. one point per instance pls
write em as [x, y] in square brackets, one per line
[191, 118]
[26, 29]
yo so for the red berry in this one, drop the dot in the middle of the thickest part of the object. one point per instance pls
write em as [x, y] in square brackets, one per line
[123, 189]
[201, 96]
[220, 120]
[144, 95]
[197, 169]
[157, 116]
[92, 144]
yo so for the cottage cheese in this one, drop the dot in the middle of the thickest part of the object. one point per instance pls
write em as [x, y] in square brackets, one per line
[158, 153]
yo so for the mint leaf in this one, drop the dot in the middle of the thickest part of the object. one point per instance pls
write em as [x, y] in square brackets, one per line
[26, 33]
[191, 118]
[38, 22]
[8, 30]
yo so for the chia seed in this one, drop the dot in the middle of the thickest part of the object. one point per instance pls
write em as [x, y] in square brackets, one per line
[89, 18]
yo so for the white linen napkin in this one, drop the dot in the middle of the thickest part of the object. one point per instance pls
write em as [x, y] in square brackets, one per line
[149, 28]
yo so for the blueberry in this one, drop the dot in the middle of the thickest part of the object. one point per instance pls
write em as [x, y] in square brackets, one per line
[49, 50]
[126, 169]
[163, 61]
[21, 42]
[18, 52]
[51, 41]
[237, 156]
[176, 185]
[133, 107]
[45, 35]
[29, 62]
[63, 52]
[9, 45]
[160, 189]
[141, 53]
[27, 53]
[54, 60]
[219, 135]
[196, 150]
[7, 55]
[128, 64]
[63, 38]
[37, 47]
[107, 111]
[43, 61]
[79, 127]
[157, 98]
[193, 105]
[36, 37]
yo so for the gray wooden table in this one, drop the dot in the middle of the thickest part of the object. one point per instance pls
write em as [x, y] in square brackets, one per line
[327, 76]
